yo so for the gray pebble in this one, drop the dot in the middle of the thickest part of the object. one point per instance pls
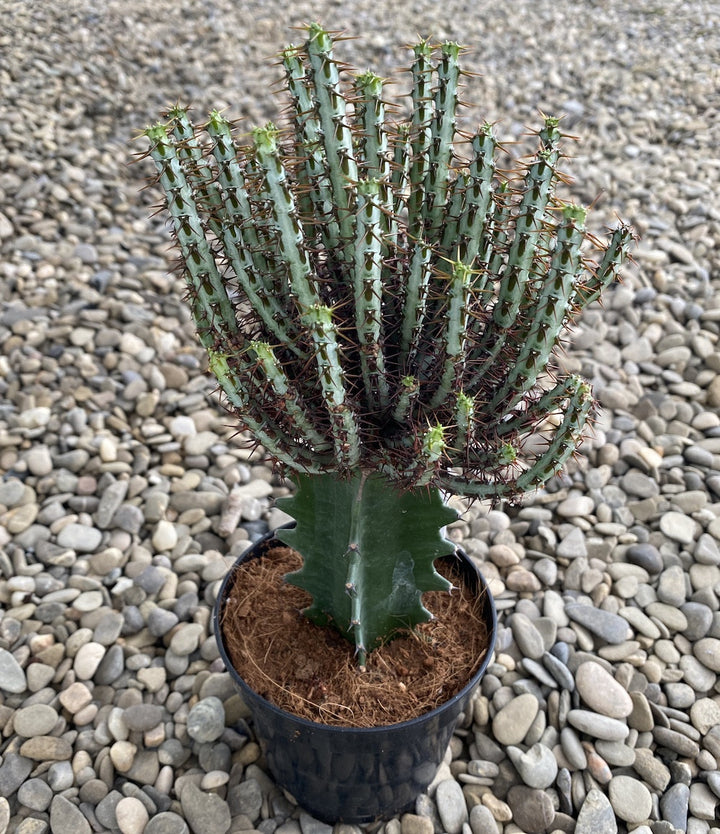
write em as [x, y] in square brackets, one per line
[13, 772]
[36, 794]
[532, 809]
[206, 720]
[630, 799]
[610, 627]
[12, 677]
[143, 716]
[451, 805]
[67, 818]
[166, 823]
[596, 815]
[537, 766]
[598, 726]
[674, 805]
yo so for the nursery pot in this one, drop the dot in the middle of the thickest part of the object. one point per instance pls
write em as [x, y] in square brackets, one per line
[354, 774]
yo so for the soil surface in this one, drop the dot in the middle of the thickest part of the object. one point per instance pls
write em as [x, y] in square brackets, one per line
[312, 671]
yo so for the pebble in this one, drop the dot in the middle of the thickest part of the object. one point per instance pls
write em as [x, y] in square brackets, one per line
[537, 766]
[451, 806]
[80, 537]
[601, 692]
[206, 813]
[511, 724]
[67, 818]
[131, 815]
[206, 720]
[610, 627]
[12, 676]
[674, 805]
[630, 799]
[598, 726]
[532, 810]
[596, 815]
[36, 719]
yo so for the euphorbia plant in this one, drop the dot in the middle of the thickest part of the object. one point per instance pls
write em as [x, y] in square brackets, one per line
[380, 303]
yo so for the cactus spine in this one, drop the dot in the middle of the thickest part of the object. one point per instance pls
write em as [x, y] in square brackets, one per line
[382, 312]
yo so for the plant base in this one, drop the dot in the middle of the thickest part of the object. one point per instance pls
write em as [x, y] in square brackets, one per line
[355, 774]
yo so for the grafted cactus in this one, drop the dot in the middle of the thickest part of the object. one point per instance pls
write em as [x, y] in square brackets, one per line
[380, 303]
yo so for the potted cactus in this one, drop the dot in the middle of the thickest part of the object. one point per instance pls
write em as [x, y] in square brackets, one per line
[380, 303]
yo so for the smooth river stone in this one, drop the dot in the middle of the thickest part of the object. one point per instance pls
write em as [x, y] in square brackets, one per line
[610, 627]
[596, 815]
[601, 692]
[598, 726]
[512, 722]
[35, 720]
[630, 799]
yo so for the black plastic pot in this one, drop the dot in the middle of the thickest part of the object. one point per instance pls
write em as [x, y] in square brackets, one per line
[349, 774]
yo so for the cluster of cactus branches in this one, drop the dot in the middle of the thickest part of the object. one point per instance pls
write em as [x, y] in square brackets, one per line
[376, 294]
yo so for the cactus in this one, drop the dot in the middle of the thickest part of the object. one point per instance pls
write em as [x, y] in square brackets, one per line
[382, 313]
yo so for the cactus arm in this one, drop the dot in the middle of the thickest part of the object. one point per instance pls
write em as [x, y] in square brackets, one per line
[316, 199]
[529, 226]
[414, 303]
[607, 271]
[473, 224]
[421, 135]
[286, 394]
[561, 446]
[195, 165]
[464, 416]
[437, 178]
[290, 238]
[454, 335]
[212, 309]
[408, 396]
[234, 382]
[369, 293]
[565, 438]
[335, 131]
[550, 311]
[378, 544]
[345, 431]
[239, 236]
[370, 115]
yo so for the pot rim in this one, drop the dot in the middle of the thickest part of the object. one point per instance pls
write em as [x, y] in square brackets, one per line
[383, 728]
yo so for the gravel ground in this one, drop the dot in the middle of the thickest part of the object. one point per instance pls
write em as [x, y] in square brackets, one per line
[600, 711]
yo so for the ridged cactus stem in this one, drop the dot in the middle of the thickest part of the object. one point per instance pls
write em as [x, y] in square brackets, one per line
[464, 417]
[212, 309]
[345, 434]
[194, 162]
[529, 226]
[421, 137]
[284, 391]
[336, 134]
[370, 113]
[472, 226]
[551, 310]
[607, 271]
[290, 240]
[233, 381]
[239, 238]
[415, 303]
[454, 336]
[377, 543]
[562, 445]
[315, 192]
[437, 179]
[369, 292]
[406, 400]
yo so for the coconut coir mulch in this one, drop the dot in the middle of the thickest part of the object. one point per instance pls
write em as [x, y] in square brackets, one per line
[312, 671]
